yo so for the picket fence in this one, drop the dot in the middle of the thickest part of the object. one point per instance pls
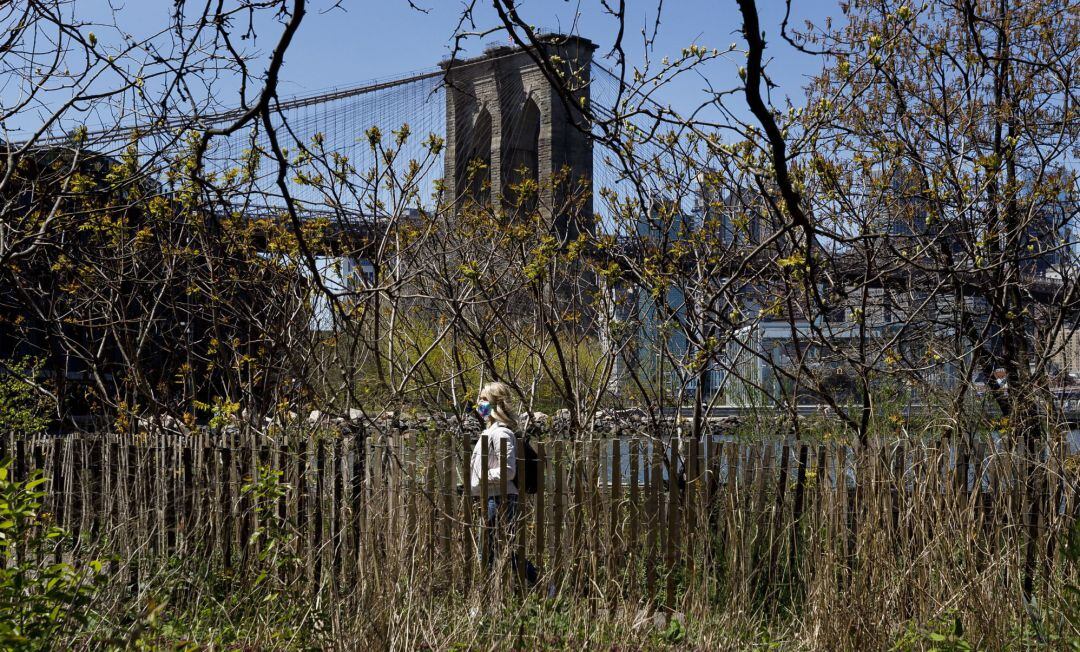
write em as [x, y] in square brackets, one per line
[612, 517]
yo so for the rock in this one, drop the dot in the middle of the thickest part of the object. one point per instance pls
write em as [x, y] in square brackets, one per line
[171, 424]
[604, 424]
[161, 424]
[642, 619]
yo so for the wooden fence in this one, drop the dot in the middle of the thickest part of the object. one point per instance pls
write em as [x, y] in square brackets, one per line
[614, 517]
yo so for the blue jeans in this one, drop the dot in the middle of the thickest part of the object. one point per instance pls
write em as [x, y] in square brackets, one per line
[501, 524]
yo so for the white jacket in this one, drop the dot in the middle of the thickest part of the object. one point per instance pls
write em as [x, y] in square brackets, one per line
[496, 432]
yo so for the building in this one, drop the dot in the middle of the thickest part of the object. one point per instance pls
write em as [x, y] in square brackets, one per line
[1065, 351]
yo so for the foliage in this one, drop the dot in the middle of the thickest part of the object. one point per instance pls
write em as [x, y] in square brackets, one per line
[23, 407]
[39, 601]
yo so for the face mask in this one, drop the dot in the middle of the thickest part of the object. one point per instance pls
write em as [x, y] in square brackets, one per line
[483, 408]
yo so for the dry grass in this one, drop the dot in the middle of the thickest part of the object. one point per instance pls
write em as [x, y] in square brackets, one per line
[765, 553]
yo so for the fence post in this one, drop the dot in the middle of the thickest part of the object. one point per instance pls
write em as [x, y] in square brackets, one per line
[368, 559]
[521, 530]
[225, 479]
[578, 475]
[93, 484]
[247, 474]
[594, 484]
[502, 530]
[300, 523]
[432, 504]
[850, 506]
[707, 473]
[318, 527]
[337, 536]
[468, 548]
[131, 514]
[652, 515]
[358, 503]
[447, 505]
[59, 492]
[540, 506]
[776, 529]
[797, 511]
[408, 485]
[485, 543]
[559, 510]
[726, 502]
[111, 498]
[160, 492]
[673, 522]
[762, 522]
[631, 544]
[173, 491]
[693, 484]
[615, 531]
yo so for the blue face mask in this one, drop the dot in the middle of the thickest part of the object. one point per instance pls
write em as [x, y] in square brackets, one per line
[483, 408]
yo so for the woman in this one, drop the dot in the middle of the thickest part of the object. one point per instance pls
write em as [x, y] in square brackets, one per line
[493, 406]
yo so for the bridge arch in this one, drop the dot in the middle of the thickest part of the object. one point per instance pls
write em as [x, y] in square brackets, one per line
[473, 178]
[521, 156]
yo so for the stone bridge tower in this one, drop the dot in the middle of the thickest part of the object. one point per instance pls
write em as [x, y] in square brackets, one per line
[503, 114]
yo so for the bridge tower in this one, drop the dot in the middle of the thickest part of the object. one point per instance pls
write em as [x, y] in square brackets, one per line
[503, 114]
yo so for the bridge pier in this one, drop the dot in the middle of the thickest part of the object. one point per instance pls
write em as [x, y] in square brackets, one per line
[506, 123]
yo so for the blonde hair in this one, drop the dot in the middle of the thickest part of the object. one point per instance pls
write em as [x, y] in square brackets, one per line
[498, 394]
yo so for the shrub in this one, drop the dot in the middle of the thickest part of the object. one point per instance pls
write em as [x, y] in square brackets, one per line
[38, 601]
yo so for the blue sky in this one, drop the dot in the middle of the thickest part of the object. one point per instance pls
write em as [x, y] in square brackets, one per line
[376, 39]
[382, 38]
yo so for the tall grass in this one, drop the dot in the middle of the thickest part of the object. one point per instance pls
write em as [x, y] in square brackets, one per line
[876, 550]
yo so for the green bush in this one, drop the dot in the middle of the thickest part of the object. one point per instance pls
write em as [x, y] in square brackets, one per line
[38, 601]
[22, 408]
